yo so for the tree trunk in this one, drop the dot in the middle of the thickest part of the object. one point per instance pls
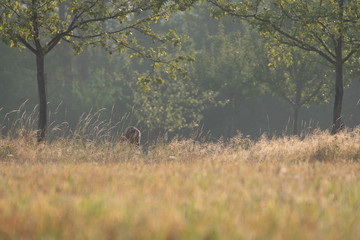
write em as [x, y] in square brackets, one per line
[66, 65]
[295, 123]
[42, 97]
[232, 118]
[229, 131]
[339, 90]
[297, 105]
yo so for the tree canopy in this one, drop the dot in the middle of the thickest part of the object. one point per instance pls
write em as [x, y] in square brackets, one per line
[300, 82]
[328, 28]
[245, 77]
[40, 25]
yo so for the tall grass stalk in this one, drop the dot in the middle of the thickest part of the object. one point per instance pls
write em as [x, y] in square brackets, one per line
[91, 126]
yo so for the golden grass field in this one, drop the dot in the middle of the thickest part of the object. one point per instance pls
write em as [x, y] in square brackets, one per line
[279, 188]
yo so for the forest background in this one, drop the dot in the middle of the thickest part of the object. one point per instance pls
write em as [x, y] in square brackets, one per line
[234, 84]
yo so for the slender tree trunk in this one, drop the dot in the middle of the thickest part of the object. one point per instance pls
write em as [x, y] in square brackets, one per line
[229, 120]
[297, 105]
[42, 97]
[232, 119]
[339, 90]
[66, 65]
[295, 123]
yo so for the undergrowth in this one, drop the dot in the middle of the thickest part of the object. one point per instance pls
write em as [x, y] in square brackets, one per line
[319, 146]
[86, 185]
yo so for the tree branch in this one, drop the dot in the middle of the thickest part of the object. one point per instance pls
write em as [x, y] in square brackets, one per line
[323, 44]
[294, 40]
[27, 45]
[352, 52]
[308, 99]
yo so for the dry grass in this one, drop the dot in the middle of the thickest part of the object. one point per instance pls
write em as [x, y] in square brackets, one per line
[281, 188]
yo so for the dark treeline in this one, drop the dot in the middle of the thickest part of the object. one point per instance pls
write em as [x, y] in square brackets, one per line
[233, 85]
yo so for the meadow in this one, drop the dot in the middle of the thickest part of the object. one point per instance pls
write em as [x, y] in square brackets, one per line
[271, 188]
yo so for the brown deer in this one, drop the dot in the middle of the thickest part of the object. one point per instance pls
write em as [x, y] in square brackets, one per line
[131, 135]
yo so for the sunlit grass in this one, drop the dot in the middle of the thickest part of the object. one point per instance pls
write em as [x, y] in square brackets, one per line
[280, 188]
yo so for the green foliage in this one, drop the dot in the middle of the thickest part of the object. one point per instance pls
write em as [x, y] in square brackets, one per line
[172, 106]
[116, 26]
[314, 26]
[16, 78]
[300, 80]
[101, 84]
[41, 25]
[328, 28]
[232, 64]
[229, 65]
